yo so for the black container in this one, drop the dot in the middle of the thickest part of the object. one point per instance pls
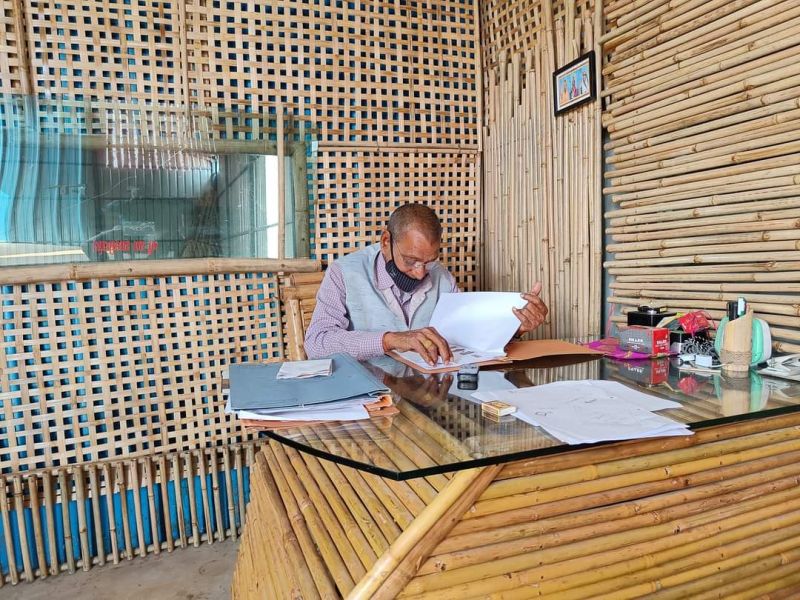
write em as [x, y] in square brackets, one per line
[647, 316]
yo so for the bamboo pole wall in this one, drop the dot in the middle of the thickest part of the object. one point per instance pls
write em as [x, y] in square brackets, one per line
[702, 110]
[109, 512]
[541, 203]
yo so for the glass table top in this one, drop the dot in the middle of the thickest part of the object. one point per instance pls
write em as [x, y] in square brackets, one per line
[440, 429]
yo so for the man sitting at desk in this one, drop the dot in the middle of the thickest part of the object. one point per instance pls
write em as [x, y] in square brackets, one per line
[381, 297]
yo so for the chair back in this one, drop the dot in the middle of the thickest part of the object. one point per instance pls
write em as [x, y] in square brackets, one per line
[299, 295]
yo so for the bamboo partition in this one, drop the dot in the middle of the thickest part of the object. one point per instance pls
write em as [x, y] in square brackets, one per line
[145, 345]
[117, 510]
[678, 517]
[233, 73]
[701, 108]
[541, 209]
[115, 442]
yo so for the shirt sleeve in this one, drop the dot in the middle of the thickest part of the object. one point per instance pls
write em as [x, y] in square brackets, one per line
[328, 334]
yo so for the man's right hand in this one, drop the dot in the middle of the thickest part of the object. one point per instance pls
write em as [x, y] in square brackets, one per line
[426, 342]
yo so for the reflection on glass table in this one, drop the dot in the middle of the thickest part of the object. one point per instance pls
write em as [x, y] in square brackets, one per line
[440, 428]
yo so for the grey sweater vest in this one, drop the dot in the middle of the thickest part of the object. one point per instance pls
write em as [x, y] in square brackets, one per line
[368, 309]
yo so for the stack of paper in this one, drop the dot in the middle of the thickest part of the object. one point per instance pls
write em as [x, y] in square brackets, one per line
[480, 321]
[336, 389]
[461, 356]
[580, 412]
[302, 369]
[345, 410]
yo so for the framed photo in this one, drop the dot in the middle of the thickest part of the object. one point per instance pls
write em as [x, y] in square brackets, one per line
[574, 84]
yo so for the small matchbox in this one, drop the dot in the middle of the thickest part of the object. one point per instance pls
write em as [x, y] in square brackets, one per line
[495, 408]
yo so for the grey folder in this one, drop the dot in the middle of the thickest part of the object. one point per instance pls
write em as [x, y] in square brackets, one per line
[255, 386]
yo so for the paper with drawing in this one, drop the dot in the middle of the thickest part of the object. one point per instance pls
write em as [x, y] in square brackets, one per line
[589, 411]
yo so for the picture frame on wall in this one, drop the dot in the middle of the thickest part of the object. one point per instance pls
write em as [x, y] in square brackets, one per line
[574, 84]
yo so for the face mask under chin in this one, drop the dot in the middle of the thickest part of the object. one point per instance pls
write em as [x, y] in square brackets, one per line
[402, 280]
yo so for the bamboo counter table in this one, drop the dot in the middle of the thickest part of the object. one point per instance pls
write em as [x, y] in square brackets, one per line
[439, 502]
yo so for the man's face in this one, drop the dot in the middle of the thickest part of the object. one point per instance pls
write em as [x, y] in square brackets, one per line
[413, 252]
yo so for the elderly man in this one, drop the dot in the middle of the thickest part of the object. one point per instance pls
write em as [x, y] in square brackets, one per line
[381, 298]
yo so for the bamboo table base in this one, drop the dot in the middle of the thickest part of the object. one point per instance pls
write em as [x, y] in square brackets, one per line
[712, 515]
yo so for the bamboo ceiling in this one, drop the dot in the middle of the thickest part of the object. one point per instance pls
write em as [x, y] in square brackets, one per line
[702, 110]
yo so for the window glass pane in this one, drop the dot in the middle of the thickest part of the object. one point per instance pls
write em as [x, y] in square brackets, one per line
[67, 195]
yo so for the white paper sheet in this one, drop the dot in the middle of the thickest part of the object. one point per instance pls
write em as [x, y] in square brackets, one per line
[481, 321]
[351, 413]
[343, 410]
[590, 411]
[303, 369]
[461, 356]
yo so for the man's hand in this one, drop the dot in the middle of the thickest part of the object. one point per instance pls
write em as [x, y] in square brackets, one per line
[426, 342]
[533, 313]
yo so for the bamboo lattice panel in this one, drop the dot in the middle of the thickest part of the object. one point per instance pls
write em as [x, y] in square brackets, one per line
[12, 76]
[542, 203]
[363, 71]
[359, 190]
[362, 74]
[703, 115]
[509, 28]
[359, 71]
[106, 50]
[101, 369]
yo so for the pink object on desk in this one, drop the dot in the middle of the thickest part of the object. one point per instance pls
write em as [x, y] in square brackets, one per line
[610, 347]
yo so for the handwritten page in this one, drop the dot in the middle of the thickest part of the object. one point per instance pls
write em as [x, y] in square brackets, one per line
[461, 356]
[481, 321]
[578, 412]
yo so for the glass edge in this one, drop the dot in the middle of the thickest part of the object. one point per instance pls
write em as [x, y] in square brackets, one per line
[505, 458]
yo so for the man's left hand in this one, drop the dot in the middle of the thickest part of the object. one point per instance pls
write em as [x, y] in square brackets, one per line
[533, 313]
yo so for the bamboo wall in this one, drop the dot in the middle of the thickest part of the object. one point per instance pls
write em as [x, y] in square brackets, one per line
[120, 366]
[542, 207]
[391, 92]
[702, 109]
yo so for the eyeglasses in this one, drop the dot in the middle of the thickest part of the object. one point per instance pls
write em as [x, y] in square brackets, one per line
[415, 264]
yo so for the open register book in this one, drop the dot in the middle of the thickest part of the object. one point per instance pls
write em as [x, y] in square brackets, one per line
[478, 327]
